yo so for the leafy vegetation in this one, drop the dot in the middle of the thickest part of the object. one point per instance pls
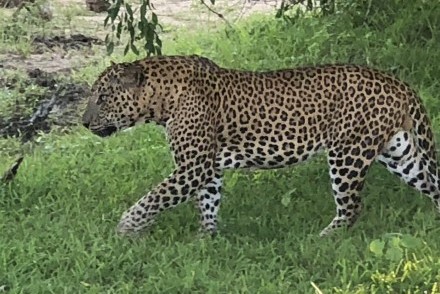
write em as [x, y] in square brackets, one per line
[57, 217]
[145, 28]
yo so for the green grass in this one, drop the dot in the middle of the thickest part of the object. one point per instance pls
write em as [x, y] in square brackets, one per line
[57, 218]
[18, 32]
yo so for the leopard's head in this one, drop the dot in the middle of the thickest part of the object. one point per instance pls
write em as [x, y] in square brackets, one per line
[116, 102]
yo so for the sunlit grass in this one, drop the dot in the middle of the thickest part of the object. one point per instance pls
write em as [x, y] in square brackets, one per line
[57, 218]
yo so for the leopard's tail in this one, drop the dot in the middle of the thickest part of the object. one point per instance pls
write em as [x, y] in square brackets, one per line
[424, 139]
[422, 129]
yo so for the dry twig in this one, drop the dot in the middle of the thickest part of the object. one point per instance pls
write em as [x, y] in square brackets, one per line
[10, 174]
[216, 13]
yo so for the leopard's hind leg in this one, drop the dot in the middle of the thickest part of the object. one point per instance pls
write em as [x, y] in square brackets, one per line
[403, 157]
[349, 165]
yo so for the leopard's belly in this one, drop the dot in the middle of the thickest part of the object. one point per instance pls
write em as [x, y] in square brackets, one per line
[269, 156]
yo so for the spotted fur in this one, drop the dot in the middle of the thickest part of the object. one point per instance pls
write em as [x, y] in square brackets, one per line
[219, 119]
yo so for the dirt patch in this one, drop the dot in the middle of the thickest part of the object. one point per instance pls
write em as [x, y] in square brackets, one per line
[10, 3]
[51, 62]
[53, 54]
[73, 42]
[58, 106]
[60, 101]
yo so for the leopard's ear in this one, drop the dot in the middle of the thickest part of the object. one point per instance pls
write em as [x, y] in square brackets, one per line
[133, 75]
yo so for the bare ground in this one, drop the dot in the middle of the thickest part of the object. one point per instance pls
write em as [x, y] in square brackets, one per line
[71, 45]
[186, 14]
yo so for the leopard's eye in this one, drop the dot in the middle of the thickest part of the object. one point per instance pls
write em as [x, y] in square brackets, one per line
[101, 98]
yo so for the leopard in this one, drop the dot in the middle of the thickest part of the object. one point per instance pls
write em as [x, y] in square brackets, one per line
[217, 119]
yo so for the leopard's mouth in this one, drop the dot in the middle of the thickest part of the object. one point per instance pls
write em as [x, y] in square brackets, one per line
[104, 132]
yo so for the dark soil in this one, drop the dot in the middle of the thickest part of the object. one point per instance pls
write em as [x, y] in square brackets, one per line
[58, 106]
[73, 42]
[10, 3]
[60, 103]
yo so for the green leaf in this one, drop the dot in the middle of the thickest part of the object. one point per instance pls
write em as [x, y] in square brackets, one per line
[158, 49]
[129, 10]
[130, 29]
[118, 30]
[412, 242]
[143, 10]
[134, 49]
[114, 11]
[394, 253]
[110, 47]
[158, 41]
[395, 241]
[107, 18]
[140, 30]
[150, 34]
[285, 200]
[287, 197]
[377, 246]
[150, 5]
[154, 18]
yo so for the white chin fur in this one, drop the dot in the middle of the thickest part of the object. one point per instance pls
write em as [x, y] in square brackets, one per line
[127, 129]
[139, 122]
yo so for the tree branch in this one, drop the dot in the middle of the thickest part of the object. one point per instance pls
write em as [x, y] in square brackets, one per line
[216, 13]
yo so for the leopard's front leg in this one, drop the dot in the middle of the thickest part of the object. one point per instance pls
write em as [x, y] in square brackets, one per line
[207, 202]
[176, 189]
[191, 133]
